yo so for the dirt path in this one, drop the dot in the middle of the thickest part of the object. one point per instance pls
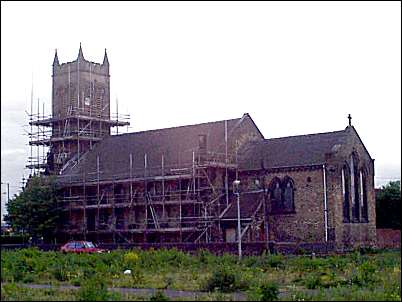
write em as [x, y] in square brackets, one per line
[193, 295]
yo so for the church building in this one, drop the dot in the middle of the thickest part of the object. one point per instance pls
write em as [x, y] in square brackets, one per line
[184, 184]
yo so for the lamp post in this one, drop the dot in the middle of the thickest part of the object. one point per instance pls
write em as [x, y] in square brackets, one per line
[236, 189]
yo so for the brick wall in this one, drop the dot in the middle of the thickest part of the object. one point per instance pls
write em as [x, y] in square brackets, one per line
[388, 238]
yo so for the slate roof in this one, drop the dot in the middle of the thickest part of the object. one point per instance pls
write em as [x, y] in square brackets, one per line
[176, 144]
[249, 202]
[290, 151]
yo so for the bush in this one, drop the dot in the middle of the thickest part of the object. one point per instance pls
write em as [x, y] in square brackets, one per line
[94, 289]
[312, 281]
[59, 273]
[205, 257]
[265, 261]
[268, 292]
[137, 276]
[131, 259]
[224, 280]
[275, 261]
[304, 263]
[365, 275]
[364, 250]
[28, 278]
[158, 296]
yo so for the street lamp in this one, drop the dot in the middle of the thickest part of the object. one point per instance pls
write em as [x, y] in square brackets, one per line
[236, 190]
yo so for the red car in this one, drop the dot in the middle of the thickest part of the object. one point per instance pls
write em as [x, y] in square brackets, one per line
[81, 247]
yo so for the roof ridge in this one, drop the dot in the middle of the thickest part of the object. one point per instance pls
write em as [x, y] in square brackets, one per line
[174, 127]
[304, 135]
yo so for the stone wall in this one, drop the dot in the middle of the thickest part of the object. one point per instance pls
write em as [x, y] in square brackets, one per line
[352, 234]
[306, 222]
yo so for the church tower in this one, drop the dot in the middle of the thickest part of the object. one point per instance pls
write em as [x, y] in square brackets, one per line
[80, 110]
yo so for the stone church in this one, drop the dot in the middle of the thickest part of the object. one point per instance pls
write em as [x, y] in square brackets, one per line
[183, 184]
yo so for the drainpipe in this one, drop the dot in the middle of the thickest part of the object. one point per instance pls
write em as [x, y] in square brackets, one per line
[325, 203]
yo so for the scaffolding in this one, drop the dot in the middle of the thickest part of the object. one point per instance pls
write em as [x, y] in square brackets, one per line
[180, 202]
[160, 203]
[62, 138]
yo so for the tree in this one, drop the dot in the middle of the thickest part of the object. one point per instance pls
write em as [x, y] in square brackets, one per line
[388, 206]
[35, 211]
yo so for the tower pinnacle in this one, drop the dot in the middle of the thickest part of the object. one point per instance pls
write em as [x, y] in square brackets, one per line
[80, 54]
[105, 59]
[56, 58]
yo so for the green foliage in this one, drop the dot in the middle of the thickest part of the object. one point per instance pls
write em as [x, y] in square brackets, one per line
[224, 279]
[365, 276]
[269, 292]
[34, 211]
[159, 296]
[205, 257]
[131, 259]
[14, 292]
[353, 275]
[94, 289]
[274, 261]
[306, 263]
[264, 261]
[162, 258]
[312, 281]
[388, 206]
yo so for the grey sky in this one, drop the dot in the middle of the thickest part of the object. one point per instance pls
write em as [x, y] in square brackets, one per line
[297, 68]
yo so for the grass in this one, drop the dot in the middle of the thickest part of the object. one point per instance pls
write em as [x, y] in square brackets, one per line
[355, 276]
[15, 292]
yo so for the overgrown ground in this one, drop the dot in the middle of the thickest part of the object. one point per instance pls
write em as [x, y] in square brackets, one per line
[371, 275]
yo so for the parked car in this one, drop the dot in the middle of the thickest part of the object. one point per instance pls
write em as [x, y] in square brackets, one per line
[81, 247]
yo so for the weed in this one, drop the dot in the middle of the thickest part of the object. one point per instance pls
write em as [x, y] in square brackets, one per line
[137, 276]
[275, 261]
[94, 289]
[224, 280]
[28, 278]
[131, 258]
[365, 275]
[159, 296]
[268, 292]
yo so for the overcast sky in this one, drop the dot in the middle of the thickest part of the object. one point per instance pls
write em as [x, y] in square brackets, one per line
[295, 67]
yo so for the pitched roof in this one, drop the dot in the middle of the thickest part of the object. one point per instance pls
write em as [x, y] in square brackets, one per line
[249, 202]
[176, 144]
[289, 151]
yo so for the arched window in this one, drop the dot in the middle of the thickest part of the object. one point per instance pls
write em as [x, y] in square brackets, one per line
[354, 162]
[363, 195]
[276, 195]
[346, 193]
[288, 194]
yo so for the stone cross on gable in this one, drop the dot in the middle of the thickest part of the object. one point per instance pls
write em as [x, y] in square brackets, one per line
[350, 119]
